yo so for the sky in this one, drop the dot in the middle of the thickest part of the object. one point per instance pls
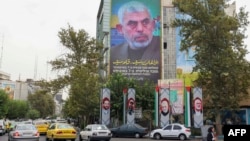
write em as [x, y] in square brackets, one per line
[29, 33]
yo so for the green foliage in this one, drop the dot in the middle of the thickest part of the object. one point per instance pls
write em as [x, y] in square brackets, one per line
[79, 65]
[17, 109]
[3, 104]
[144, 93]
[220, 53]
[195, 131]
[33, 114]
[42, 102]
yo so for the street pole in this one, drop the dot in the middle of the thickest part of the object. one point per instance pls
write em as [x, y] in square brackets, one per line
[170, 113]
[100, 100]
[124, 105]
[157, 106]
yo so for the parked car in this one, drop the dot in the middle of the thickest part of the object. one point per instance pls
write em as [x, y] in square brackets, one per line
[62, 131]
[175, 130]
[95, 132]
[24, 132]
[129, 130]
[2, 127]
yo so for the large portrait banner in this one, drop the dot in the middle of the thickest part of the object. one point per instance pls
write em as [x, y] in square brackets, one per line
[176, 94]
[135, 38]
[9, 88]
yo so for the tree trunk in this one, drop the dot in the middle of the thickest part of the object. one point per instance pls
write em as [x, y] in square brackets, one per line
[218, 125]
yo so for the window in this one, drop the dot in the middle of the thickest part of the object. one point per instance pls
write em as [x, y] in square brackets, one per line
[177, 127]
[169, 127]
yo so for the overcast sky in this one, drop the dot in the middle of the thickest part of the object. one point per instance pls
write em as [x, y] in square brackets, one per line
[29, 28]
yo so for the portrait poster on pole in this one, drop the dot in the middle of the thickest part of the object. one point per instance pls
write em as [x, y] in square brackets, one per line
[197, 109]
[131, 106]
[105, 106]
[164, 106]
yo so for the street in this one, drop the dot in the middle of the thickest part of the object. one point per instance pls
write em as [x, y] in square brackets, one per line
[42, 138]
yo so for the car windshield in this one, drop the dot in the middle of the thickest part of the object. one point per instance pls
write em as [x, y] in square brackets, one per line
[64, 126]
[25, 127]
[39, 123]
[99, 127]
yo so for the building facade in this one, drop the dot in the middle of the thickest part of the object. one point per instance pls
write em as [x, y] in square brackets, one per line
[174, 63]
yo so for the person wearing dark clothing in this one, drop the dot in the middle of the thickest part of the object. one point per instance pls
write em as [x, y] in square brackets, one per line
[210, 134]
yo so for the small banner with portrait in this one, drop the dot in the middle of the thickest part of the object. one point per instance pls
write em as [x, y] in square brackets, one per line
[131, 106]
[105, 103]
[164, 106]
[197, 107]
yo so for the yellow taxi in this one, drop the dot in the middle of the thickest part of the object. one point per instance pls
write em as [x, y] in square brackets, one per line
[61, 131]
[42, 126]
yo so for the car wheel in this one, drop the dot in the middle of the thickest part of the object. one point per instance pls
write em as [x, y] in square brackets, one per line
[137, 135]
[88, 139]
[182, 137]
[52, 138]
[157, 136]
[80, 138]
[113, 134]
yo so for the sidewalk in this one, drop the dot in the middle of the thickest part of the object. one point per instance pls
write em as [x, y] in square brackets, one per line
[199, 138]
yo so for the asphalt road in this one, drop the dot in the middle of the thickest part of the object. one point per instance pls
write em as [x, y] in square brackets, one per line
[42, 138]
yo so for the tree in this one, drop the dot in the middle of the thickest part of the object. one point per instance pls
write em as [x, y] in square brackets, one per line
[42, 102]
[33, 114]
[79, 65]
[3, 104]
[117, 83]
[17, 109]
[144, 94]
[220, 51]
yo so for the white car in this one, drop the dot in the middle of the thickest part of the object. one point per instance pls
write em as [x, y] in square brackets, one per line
[95, 132]
[174, 131]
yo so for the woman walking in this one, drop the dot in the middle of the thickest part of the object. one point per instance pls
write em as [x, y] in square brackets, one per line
[211, 134]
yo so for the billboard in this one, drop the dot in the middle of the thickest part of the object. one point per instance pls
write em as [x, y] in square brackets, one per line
[184, 59]
[135, 39]
[176, 92]
[9, 88]
[197, 109]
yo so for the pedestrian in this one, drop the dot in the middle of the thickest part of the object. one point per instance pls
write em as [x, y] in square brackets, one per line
[211, 134]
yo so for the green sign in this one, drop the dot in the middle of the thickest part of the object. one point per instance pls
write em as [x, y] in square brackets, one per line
[173, 96]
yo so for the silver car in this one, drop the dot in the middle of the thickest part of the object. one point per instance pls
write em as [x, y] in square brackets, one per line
[95, 132]
[24, 132]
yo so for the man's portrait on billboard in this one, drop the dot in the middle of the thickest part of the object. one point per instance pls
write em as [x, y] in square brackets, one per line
[140, 44]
